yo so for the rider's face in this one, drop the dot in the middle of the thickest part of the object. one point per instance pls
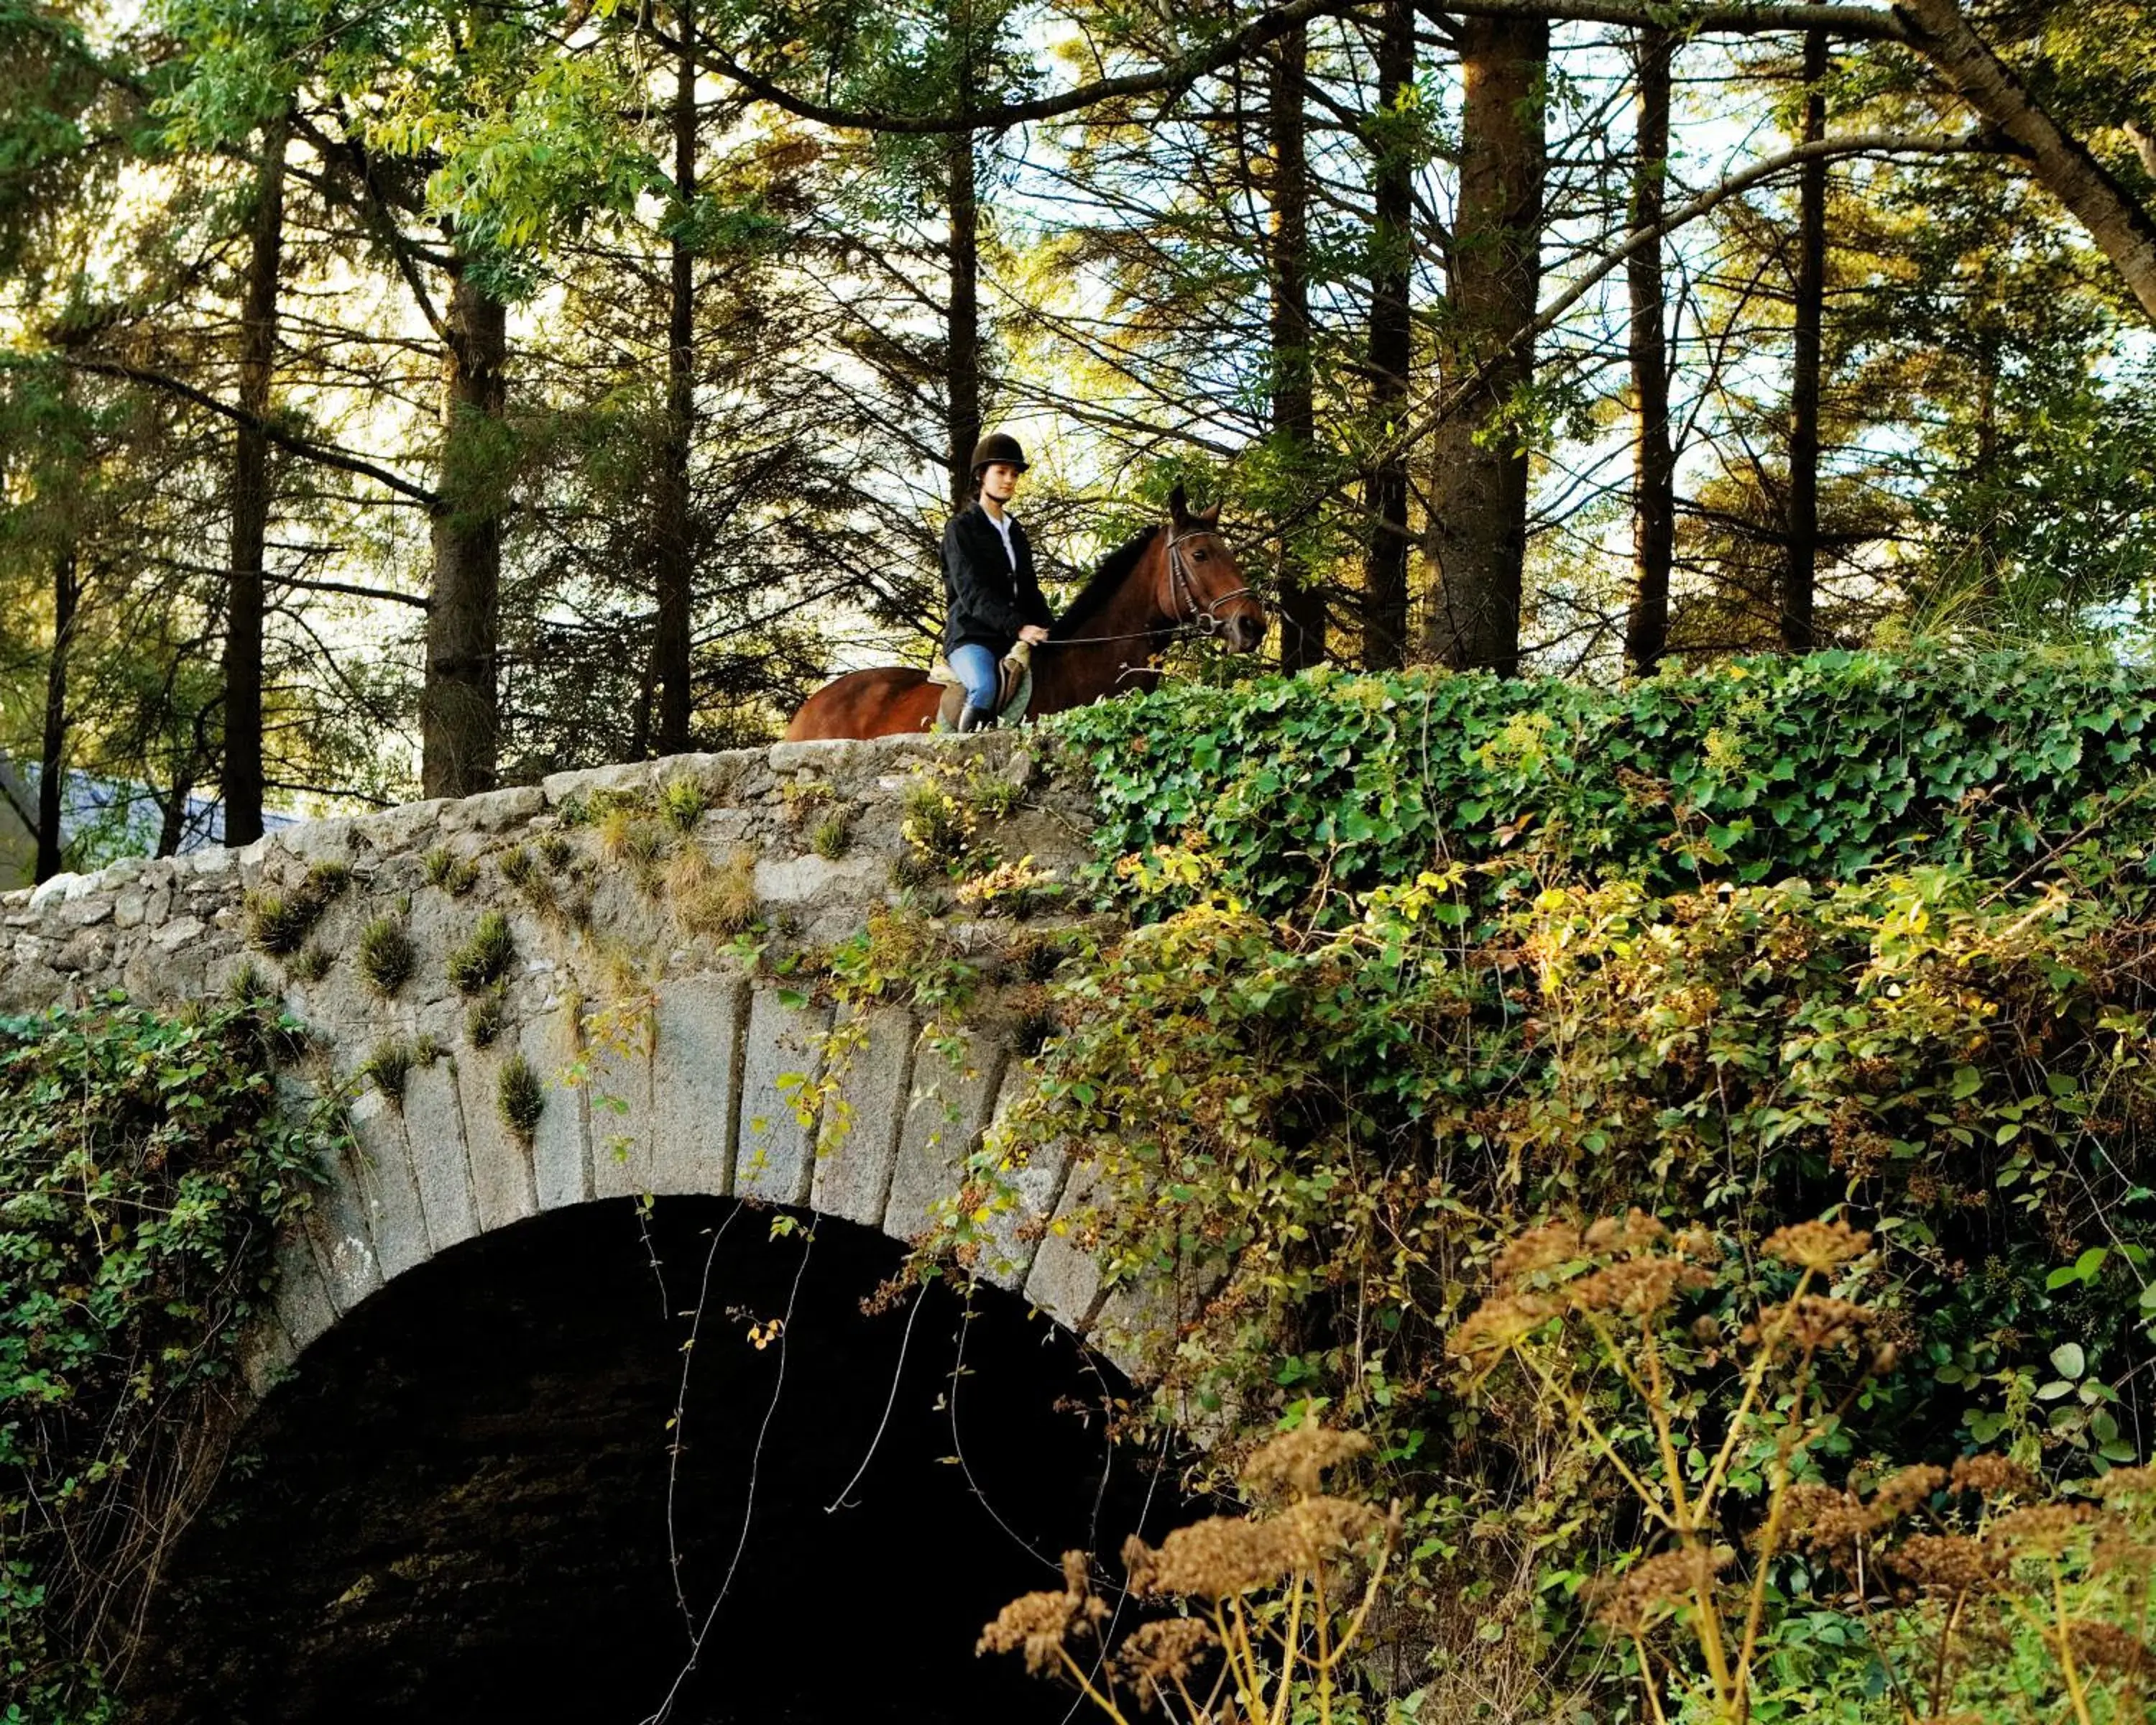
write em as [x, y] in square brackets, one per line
[999, 480]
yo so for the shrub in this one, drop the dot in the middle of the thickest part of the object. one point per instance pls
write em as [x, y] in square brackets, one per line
[484, 1017]
[385, 956]
[138, 1236]
[521, 1098]
[484, 957]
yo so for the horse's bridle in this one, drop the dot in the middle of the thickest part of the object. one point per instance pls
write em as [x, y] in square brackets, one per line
[1185, 590]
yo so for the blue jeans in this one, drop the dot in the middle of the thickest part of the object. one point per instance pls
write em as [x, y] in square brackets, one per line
[976, 664]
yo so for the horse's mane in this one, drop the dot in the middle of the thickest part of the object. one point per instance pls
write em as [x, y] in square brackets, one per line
[1108, 581]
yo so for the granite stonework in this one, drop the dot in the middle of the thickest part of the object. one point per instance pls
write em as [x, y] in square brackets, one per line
[671, 1062]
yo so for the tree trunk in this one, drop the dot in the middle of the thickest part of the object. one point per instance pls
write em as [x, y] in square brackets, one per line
[52, 756]
[459, 715]
[2120, 227]
[1800, 556]
[1294, 409]
[1654, 467]
[963, 360]
[1391, 351]
[241, 776]
[676, 559]
[1479, 507]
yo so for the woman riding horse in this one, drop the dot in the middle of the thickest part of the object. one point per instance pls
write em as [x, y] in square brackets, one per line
[992, 596]
[1163, 585]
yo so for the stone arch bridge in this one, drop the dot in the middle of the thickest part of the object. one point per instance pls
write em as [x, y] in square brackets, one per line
[622, 894]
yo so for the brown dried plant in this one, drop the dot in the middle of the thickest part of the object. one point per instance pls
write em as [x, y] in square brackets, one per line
[1270, 1604]
[1587, 1311]
[1592, 1317]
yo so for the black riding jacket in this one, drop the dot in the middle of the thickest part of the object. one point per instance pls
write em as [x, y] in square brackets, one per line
[990, 601]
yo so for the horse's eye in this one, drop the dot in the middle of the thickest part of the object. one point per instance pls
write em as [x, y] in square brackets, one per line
[1202, 554]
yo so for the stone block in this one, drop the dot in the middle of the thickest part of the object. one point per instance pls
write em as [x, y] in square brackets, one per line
[389, 1189]
[492, 811]
[775, 1157]
[503, 1191]
[53, 890]
[697, 1066]
[834, 755]
[1065, 1280]
[1036, 1182]
[304, 1307]
[560, 1149]
[858, 1136]
[434, 1129]
[396, 831]
[266, 1355]
[855, 880]
[619, 1095]
[317, 840]
[337, 1223]
[558, 787]
[948, 1107]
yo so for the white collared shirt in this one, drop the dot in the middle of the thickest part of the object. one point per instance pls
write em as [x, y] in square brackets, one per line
[1002, 524]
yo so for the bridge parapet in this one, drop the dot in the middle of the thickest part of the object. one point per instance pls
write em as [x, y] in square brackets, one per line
[622, 935]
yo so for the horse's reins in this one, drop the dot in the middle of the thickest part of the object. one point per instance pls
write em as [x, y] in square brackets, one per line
[1202, 616]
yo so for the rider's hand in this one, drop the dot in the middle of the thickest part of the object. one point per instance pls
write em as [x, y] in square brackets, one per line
[1033, 634]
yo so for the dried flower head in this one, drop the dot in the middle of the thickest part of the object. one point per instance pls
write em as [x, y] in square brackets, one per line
[1211, 1560]
[1636, 1233]
[1833, 1523]
[1542, 1248]
[1043, 1624]
[2124, 1483]
[1315, 1530]
[1292, 1463]
[1818, 1245]
[1991, 1475]
[1162, 1655]
[1640, 1287]
[1632, 1603]
[1944, 1562]
[1814, 1323]
[2042, 1530]
[2109, 1647]
[1904, 1491]
[1501, 1323]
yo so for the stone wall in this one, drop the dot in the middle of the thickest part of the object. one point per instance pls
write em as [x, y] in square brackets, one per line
[660, 1034]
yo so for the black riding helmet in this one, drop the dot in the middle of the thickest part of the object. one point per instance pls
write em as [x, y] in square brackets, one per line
[997, 446]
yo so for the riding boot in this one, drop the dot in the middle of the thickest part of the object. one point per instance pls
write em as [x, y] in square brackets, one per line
[976, 718]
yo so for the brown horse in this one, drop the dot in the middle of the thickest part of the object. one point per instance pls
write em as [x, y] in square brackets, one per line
[1160, 586]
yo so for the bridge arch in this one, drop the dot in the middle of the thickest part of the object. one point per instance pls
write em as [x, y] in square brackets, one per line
[438, 1197]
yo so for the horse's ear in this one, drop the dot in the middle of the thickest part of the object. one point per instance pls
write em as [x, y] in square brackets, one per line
[1178, 506]
[1210, 516]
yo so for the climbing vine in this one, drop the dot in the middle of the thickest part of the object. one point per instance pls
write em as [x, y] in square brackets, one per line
[1422, 963]
[146, 1163]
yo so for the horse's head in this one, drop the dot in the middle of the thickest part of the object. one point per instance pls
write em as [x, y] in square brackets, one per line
[1201, 584]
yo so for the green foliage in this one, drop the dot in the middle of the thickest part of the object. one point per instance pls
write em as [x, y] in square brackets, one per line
[1424, 960]
[388, 1067]
[385, 956]
[682, 803]
[1826, 766]
[278, 922]
[446, 871]
[519, 1098]
[147, 1168]
[483, 958]
[833, 835]
[311, 964]
[484, 1017]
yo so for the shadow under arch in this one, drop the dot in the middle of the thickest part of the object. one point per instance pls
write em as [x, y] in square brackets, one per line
[457, 1508]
